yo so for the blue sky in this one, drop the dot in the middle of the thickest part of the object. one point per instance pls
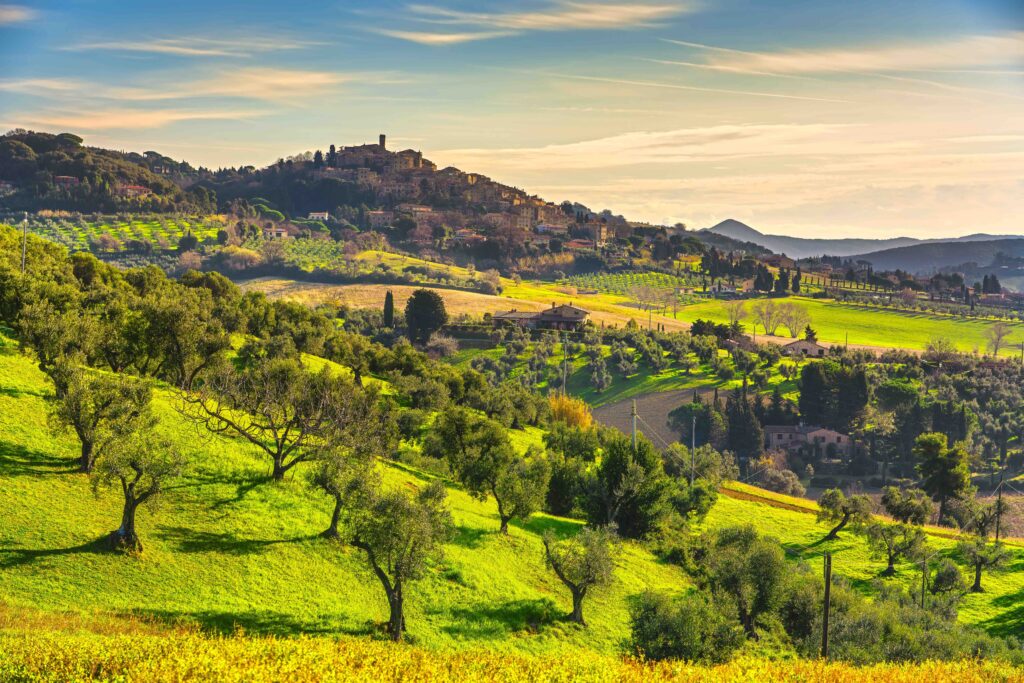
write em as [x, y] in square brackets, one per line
[821, 118]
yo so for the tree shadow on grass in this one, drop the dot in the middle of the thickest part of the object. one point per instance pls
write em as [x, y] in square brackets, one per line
[1010, 621]
[225, 543]
[17, 460]
[15, 557]
[468, 537]
[494, 620]
[256, 622]
[14, 392]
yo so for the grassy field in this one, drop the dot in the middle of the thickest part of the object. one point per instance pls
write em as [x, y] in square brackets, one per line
[866, 326]
[228, 550]
[835, 322]
[524, 298]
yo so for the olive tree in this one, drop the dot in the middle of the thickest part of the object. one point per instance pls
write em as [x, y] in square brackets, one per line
[140, 462]
[481, 455]
[893, 541]
[400, 533]
[276, 405]
[91, 404]
[582, 562]
[835, 508]
[344, 459]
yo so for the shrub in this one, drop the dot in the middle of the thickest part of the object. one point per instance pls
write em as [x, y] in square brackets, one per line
[690, 627]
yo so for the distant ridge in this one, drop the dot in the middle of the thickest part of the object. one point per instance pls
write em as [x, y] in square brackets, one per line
[802, 247]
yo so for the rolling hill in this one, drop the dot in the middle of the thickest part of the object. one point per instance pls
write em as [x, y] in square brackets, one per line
[931, 256]
[802, 247]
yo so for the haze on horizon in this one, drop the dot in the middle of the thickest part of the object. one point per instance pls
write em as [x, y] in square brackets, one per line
[814, 118]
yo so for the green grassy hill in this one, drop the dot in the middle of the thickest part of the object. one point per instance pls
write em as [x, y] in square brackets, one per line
[868, 326]
[227, 550]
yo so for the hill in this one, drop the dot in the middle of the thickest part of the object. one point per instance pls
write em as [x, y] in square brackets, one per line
[58, 172]
[931, 256]
[228, 550]
[856, 248]
[800, 247]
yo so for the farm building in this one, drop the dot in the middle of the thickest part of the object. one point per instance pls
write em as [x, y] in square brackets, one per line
[796, 437]
[802, 347]
[564, 317]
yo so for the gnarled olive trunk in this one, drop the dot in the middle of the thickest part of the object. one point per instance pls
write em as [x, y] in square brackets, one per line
[126, 538]
[332, 530]
[396, 620]
[85, 461]
[834, 534]
[976, 588]
[577, 607]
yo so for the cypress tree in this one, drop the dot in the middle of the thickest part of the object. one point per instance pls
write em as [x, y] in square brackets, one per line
[389, 309]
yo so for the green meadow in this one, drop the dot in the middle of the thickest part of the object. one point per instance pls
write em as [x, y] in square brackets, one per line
[226, 550]
[868, 326]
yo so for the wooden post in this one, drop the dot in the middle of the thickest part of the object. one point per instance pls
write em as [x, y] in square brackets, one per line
[825, 606]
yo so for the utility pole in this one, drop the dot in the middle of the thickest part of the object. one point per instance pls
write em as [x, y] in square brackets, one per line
[24, 240]
[693, 449]
[826, 605]
[634, 424]
[999, 502]
[924, 579]
[565, 365]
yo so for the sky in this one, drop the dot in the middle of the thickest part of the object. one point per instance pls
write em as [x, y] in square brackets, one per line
[815, 118]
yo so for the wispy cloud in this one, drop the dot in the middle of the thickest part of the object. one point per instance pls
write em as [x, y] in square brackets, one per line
[15, 14]
[563, 15]
[198, 47]
[432, 38]
[679, 86]
[125, 118]
[1005, 49]
[40, 86]
[268, 84]
[645, 148]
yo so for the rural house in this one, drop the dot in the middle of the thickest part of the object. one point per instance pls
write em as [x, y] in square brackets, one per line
[564, 317]
[802, 347]
[820, 440]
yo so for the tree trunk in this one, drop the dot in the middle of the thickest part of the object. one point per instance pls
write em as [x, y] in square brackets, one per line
[125, 538]
[396, 622]
[942, 510]
[279, 468]
[85, 460]
[891, 569]
[504, 525]
[577, 608]
[357, 375]
[834, 534]
[332, 530]
[976, 588]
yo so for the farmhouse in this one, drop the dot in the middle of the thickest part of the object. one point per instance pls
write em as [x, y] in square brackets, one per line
[318, 216]
[818, 439]
[802, 347]
[564, 317]
[275, 232]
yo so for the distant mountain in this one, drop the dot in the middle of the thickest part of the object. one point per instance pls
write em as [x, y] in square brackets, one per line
[927, 257]
[800, 247]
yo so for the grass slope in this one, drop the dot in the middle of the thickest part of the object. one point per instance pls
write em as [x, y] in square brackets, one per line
[877, 327]
[229, 550]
